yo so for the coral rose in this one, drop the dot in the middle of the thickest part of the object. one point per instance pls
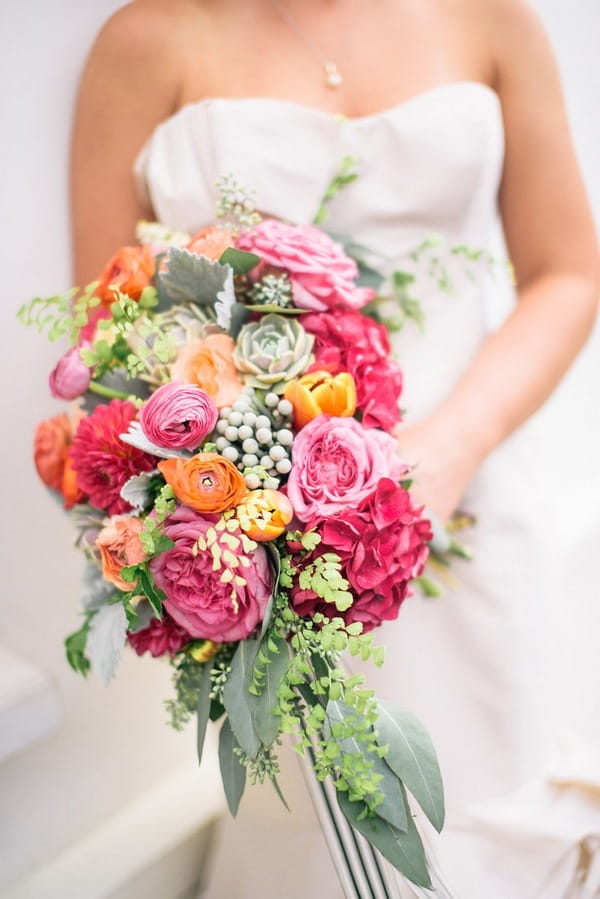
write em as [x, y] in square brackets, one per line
[210, 242]
[159, 638]
[382, 545]
[129, 271]
[207, 482]
[120, 545]
[337, 462]
[178, 415]
[208, 363]
[215, 587]
[322, 275]
[264, 514]
[52, 440]
[102, 462]
[318, 392]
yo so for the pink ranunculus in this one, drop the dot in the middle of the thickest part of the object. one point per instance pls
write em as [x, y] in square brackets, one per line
[160, 638]
[382, 545]
[70, 377]
[352, 342]
[178, 415]
[202, 596]
[101, 461]
[337, 462]
[322, 275]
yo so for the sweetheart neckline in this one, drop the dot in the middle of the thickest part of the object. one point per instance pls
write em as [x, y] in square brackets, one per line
[422, 96]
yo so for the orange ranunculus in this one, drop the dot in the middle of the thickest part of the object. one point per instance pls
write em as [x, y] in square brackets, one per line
[52, 440]
[120, 545]
[264, 514]
[207, 482]
[208, 362]
[210, 242]
[129, 271]
[318, 392]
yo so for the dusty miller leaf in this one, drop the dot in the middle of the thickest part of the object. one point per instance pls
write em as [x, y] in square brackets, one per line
[106, 639]
[134, 436]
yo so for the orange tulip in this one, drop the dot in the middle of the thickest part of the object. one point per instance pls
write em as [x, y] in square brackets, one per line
[129, 271]
[318, 392]
[264, 514]
[207, 482]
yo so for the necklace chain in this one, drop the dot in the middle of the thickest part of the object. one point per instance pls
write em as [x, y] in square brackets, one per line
[332, 75]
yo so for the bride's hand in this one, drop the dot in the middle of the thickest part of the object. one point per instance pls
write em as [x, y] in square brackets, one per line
[443, 467]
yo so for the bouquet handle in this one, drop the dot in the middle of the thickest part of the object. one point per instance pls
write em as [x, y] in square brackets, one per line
[362, 871]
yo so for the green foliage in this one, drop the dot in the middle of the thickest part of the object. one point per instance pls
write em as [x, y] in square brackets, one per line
[75, 647]
[61, 315]
[323, 575]
[345, 175]
[240, 261]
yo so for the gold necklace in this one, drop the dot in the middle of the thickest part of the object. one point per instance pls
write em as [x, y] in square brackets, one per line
[331, 72]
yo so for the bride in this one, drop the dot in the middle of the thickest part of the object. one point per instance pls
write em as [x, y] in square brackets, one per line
[453, 111]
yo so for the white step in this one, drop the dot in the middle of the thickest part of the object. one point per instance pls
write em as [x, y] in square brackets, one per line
[29, 704]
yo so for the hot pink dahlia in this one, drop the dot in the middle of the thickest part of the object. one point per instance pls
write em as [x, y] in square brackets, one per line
[101, 461]
[160, 638]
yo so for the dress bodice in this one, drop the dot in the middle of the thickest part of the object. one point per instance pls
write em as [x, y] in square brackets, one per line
[429, 165]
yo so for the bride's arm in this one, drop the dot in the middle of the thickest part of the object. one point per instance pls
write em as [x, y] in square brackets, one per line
[129, 85]
[552, 245]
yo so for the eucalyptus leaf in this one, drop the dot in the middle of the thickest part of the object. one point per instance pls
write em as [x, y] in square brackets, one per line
[134, 436]
[117, 379]
[277, 788]
[137, 490]
[412, 757]
[237, 698]
[203, 710]
[191, 279]
[262, 707]
[275, 560]
[240, 261]
[233, 772]
[393, 806]
[403, 850]
[106, 639]
[267, 308]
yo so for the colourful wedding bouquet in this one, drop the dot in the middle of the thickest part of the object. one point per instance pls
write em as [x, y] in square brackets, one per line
[233, 477]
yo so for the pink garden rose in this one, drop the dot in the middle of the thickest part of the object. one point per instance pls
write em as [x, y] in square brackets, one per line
[337, 463]
[382, 545]
[70, 377]
[205, 601]
[352, 342]
[178, 415]
[159, 638]
[322, 275]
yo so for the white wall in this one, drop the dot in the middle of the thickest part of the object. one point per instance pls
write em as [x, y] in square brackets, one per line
[112, 743]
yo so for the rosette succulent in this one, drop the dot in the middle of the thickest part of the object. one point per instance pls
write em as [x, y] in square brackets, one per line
[273, 351]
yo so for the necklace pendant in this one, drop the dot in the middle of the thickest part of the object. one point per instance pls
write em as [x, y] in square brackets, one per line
[333, 76]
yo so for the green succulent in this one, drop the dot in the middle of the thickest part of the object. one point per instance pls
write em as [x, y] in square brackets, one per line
[272, 351]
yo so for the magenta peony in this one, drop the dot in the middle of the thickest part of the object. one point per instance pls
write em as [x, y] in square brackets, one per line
[178, 415]
[322, 275]
[70, 377]
[101, 461]
[337, 462]
[204, 595]
[160, 638]
[382, 545]
[352, 342]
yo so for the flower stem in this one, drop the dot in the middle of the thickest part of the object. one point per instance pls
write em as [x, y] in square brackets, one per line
[102, 390]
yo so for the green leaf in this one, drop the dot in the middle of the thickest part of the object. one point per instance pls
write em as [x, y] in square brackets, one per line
[403, 850]
[203, 710]
[237, 698]
[240, 261]
[275, 560]
[75, 649]
[393, 807]
[233, 772]
[154, 596]
[267, 308]
[262, 708]
[275, 783]
[412, 757]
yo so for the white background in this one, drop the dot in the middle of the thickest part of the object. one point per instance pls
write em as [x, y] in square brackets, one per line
[112, 743]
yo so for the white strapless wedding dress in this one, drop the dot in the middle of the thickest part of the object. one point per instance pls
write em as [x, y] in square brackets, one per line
[503, 669]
